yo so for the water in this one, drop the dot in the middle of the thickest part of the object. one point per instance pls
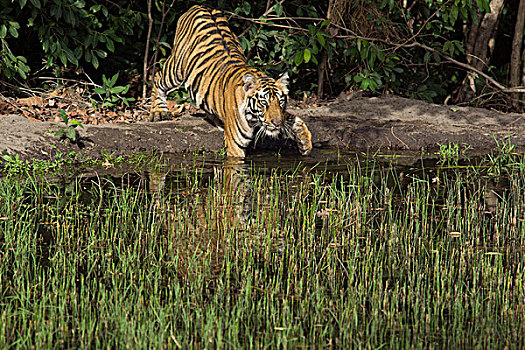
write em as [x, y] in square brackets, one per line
[356, 251]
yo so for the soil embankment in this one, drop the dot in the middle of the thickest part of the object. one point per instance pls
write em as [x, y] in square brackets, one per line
[388, 123]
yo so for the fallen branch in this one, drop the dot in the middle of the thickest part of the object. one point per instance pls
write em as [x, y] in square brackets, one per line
[397, 138]
[473, 69]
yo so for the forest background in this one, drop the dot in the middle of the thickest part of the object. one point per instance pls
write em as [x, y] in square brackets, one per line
[466, 52]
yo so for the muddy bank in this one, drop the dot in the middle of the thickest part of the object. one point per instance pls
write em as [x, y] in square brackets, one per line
[388, 123]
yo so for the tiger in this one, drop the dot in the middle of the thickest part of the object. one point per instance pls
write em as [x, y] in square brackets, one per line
[207, 58]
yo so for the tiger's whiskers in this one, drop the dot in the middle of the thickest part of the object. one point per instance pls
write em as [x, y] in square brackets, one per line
[260, 132]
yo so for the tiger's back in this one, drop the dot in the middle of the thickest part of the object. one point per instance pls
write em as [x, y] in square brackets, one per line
[204, 50]
[208, 60]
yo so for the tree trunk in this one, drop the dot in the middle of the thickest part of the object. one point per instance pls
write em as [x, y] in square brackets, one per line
[479, 46]
[335, 13]
[515, 58]
[146, 53]
[523, 67]
[321, 73]
[323, 63]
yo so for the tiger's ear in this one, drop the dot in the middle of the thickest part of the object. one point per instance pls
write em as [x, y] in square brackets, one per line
[283, 82]
[249, 82]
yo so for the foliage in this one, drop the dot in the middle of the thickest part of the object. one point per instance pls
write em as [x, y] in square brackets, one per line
[12, 162]
[382, 46]
[503, 157]
[69, 132]
[10, 64]
[111, 92]
[450, 153]
[381, 58]
[73, 31]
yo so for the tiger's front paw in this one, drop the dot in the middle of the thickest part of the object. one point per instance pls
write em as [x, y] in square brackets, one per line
[157, 114]
[303, 136]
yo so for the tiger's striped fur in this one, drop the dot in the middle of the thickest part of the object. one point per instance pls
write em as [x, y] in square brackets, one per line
[207, 59]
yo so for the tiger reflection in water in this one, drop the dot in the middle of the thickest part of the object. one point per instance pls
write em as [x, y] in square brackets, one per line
[203, 223]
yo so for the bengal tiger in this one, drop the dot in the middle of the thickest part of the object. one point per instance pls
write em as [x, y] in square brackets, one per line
[207, 58]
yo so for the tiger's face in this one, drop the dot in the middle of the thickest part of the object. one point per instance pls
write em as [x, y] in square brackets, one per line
[266, 103]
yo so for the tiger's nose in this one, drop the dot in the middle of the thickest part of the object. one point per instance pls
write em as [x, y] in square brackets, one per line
[276, 122]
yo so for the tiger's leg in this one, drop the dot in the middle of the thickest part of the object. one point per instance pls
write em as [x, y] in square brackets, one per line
[163, 84]
[302, 136]
[232, 148]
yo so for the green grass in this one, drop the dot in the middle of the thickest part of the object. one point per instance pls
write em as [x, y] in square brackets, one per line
[367, 257]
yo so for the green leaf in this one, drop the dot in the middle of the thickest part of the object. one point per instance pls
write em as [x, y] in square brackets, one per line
[63, 57]
[64, 116]
[76, 123]
[70, 56]
[88, 40]
[311, 30]
[278, 7]
[22, 74]
[373, 85]
[459, 46]
[101, 53]
[117, 89]
[247, 8]
[380, 54]
[426, 58]
[113, 80]
[299, 56]
[3, 31]
[372, 56]
[110, 45]
[71, 134]
[78, 52]
[453, 14]
[307, 55]
[120, 40]
[486, 6]
[22, 3]
[13, 31]
[437, 58]
[365, 83]
[35, 3]
[94, 61]
[320, 39]
[59, 133]
[99, 90]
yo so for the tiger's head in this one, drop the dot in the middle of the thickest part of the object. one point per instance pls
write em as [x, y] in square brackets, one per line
[265, 104]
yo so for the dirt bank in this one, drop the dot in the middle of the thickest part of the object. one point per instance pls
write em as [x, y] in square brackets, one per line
[388, 123]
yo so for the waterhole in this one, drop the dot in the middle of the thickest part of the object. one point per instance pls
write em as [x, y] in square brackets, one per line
[358, 251]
